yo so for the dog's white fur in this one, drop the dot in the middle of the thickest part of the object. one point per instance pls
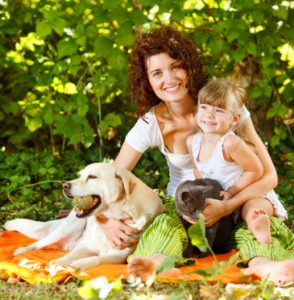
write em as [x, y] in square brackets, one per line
[122, 195]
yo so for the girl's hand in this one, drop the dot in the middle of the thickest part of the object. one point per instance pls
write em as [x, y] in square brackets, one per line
[118, 232]
[214, 211]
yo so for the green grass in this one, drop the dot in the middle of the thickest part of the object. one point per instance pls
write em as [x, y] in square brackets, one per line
[14, 290]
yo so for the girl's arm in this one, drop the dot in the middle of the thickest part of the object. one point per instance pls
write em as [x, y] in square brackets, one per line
[117, 231]
[218, 209]
[236, 150]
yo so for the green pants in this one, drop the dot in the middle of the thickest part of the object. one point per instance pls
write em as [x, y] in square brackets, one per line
[166, 235]
[281, 248]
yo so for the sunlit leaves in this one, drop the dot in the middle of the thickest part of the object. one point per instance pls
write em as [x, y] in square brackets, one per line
[81, 49]
[197, 234]
[100, 288]
[34, 124]
[29, 42]
[68, 88]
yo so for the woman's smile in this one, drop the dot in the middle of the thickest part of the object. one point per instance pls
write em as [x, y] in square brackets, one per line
[167, 78]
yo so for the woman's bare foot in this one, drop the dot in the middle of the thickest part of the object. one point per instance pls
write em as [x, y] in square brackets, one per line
[279, 272]
[259, 224]
[145, 266]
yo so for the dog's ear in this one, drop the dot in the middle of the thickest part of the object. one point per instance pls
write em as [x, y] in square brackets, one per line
[126, 180]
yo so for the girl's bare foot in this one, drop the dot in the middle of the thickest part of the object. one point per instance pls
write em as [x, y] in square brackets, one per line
[279, 272]
[259, 224]
[145, 266]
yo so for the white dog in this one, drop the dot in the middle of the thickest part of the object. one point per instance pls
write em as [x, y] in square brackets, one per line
[101, 189]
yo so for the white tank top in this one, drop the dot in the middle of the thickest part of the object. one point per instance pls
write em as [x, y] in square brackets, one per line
[216, 167]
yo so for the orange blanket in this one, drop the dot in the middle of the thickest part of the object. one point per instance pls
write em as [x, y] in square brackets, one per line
[34, 266]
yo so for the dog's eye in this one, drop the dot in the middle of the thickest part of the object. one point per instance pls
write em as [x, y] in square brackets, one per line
[92, 177]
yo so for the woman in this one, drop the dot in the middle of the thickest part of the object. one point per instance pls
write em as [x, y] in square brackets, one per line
[166, 75]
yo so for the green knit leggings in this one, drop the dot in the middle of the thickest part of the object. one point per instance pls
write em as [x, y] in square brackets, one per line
[166, 235]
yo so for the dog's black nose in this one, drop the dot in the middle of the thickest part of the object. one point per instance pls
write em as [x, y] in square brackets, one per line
[66, 186]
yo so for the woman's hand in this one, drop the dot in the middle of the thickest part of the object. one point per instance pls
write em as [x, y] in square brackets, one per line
[214, 211]
[118, 232]
[225, 195]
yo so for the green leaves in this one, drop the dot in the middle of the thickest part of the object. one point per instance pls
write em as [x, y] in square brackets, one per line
[117, 59]
[125, 35]
[197, 234]
[111, 120]
[66, 47]
[168, 263]
[52, 21]
[102, 46]
[217, 267]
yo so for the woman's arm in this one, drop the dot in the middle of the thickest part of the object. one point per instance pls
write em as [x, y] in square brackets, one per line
[127, 157]
[189, 147]
[117, 231]
[218, 209]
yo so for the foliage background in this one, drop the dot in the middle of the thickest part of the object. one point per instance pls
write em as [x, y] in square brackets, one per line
[64, 98]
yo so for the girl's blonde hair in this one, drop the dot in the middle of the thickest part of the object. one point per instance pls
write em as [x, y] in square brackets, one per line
[223, 93]
[227, 94]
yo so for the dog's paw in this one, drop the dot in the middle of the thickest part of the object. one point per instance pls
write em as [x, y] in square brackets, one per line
[85, 263]
[20, 250]
[62, 261]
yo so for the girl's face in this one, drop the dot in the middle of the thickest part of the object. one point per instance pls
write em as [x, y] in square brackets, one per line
[212, 119]
[167, 78]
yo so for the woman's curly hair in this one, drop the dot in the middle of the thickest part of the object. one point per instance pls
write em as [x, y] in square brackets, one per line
[163, 40]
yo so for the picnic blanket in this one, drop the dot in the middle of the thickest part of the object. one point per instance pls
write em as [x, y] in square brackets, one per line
[35, 266]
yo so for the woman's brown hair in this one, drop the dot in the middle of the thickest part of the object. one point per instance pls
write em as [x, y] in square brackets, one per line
[163, 40]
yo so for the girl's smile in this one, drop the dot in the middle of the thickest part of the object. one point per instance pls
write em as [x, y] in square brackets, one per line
[212, 119]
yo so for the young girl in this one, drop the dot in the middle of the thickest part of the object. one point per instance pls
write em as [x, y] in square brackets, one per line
[218, 153]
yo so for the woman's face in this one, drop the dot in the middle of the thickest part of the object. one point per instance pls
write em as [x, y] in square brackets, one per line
[167, 78]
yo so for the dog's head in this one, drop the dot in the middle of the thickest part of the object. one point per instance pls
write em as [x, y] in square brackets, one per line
[98, 186]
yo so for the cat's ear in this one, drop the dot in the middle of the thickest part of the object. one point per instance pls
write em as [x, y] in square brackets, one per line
[205, 189]
[185, 196]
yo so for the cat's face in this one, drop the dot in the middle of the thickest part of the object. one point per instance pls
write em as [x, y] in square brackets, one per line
[190, 200]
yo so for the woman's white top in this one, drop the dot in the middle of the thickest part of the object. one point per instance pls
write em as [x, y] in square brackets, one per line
[225, 172]
[146, 133]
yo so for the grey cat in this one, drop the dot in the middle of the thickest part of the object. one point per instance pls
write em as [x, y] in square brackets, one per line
[191, 200]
